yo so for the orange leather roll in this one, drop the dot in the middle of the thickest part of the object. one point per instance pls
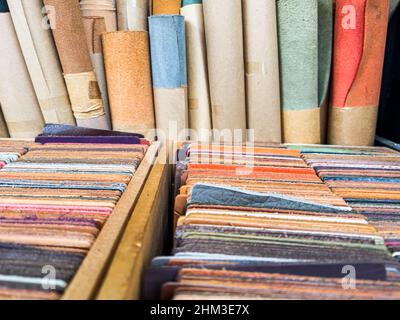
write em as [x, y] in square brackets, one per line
[127, 63]
[359, 46]
[158, 7]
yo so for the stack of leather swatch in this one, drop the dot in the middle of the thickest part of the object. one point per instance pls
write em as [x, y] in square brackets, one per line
[54, 200]
[368, 179]
[10, 151]
[259, 169]
[247, 229]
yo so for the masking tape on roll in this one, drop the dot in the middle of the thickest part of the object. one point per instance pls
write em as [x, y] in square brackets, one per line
[85, 96]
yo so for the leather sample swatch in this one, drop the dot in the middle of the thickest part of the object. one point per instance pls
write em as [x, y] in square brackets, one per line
[168, 63]
[161, 7]
[198, 91]
[51, 129]
[41, 58]
[224, 39]
[389, 111]
[18, 100]
[81, 81]
[101, 8]
[262, 70]
[298, 44]
[94, 27]
[359, 47]
[132, 15]
[155, 277]
[90, 139]
[127, 63]
[198, 284]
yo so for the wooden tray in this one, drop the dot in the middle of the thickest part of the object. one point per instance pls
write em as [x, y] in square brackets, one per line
[143, 238]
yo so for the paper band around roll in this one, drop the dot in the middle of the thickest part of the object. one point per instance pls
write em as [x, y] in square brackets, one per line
[171, 113]
[301, 126]
[85, 95]
[224, 41]
[352, 126]
[198, 91]
[132, 15]
[94, 28]
[323, 112]
[41, 58]
[262, 70]
[127, 63]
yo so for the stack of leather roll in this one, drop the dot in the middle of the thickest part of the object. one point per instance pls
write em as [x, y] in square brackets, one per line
[294, 71]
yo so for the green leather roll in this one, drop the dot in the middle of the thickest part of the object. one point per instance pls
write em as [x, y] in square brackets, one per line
[298, 43]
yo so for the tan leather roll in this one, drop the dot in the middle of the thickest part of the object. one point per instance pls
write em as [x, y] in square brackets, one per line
[127, 64]
[71, 43]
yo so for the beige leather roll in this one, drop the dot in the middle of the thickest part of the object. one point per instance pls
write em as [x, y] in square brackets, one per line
[18, 99]
[132, 15]
[41, 58]
[101, 8]
[198, 91]
[262, 70]
[224, 39]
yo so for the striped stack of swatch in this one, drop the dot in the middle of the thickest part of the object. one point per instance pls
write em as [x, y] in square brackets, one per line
[257, 233]
[368, 179]
[53, 202]
[10, 151]
[273, 169]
